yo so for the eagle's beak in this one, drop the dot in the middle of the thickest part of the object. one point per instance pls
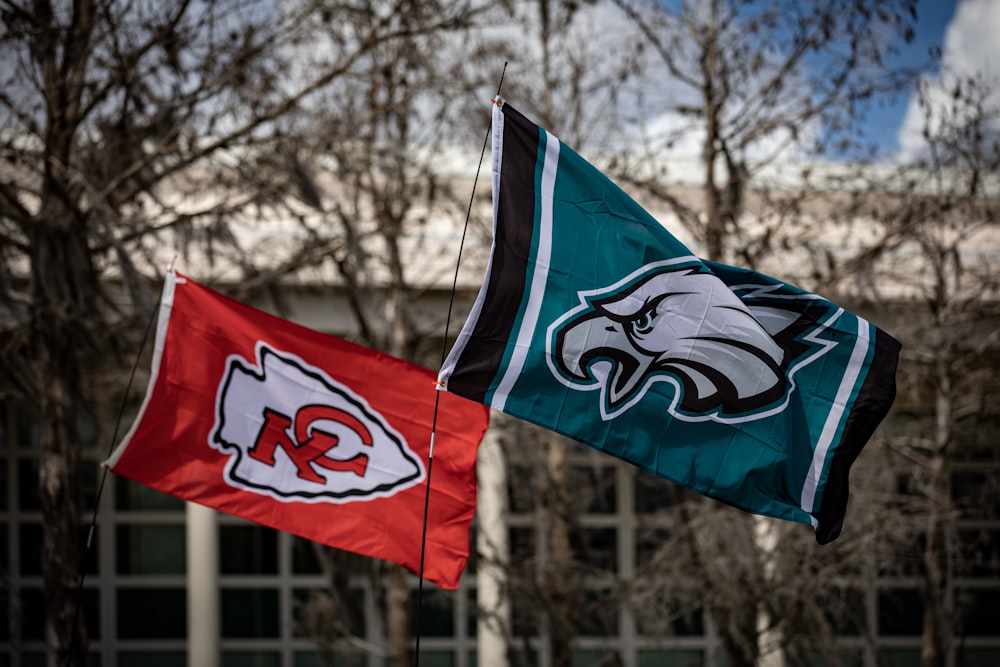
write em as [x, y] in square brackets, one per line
[597, 345]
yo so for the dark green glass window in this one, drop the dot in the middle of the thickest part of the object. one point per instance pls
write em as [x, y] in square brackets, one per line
[30, 549]
[250, 613]
[679, 658]
[157, 659]
[437, 614]
[132, 496]
[150, 549]
[152, 613]
[248, 550]
[900, 613]
[979, 609]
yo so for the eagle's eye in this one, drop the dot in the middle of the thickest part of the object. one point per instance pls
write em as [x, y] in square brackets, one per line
[642, 323]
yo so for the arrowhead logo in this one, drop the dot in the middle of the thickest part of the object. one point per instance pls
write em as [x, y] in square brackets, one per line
[293, 433]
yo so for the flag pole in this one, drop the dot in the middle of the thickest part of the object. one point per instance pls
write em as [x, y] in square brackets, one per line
[437, 396]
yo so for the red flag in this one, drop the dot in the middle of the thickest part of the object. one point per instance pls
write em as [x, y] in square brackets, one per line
[269, 421]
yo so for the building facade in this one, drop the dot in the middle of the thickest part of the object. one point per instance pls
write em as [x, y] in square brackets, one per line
[274, 592]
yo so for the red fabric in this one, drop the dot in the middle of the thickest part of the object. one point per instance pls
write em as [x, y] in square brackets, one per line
[266, 420]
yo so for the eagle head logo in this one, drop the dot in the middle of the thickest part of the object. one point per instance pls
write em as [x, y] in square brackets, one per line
[676, 322]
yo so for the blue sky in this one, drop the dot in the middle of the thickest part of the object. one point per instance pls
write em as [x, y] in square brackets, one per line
[967, 32]
[933, 19]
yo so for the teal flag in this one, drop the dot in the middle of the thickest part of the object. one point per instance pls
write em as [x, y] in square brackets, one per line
[595, 322]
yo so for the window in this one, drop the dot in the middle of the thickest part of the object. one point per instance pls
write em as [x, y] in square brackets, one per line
[152, 613]
[900, 612]
[250, 613]
[979, 611]
[134, 497]
[593, 489]
[158, 549]
[248, 549]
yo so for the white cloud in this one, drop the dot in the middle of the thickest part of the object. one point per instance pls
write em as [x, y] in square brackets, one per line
[970, 47]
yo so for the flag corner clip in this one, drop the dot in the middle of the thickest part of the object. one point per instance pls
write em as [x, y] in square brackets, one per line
[499, 101]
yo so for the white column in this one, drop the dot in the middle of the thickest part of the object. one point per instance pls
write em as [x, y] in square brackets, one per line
[769, 645]
[492, 592]
[203, 586]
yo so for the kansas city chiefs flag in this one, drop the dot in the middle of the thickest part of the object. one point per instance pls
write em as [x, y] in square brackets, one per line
[593, 321]
[269, 421]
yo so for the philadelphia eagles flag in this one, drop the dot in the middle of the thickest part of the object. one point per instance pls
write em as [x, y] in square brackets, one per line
[595, 322]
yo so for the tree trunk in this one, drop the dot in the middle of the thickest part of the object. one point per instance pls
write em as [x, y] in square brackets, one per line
[714, 222]
[56, 343]
[397, 604]
[934, 649]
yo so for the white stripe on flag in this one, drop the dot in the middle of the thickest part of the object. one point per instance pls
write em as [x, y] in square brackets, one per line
[457, 350]
[833, 418]
[538, 278]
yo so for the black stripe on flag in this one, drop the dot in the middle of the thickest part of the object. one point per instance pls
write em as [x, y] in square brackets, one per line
[479, 364]
[871, 406]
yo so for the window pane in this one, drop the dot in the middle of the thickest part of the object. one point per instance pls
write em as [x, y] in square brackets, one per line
[594, 658]
[978, 657]
[28, 433]
[652, 493]
[976, 439]
[30, 549]
[977, 492]
[598, 615]
[520, 487]
[979, 609]
[250, 659]
[437, 658]
[90, 477]
[843, 658]
[249, 613]
[437, 614]
[32, 613]
[652, 543]
[593, 489]
[152, 613]
[671, 659]
[132, 496]
[151, 549]
[158, 659]
[522, 547]
[4, 564]
[844, 610]
[330, 659]
[525, 610]
[316, 615]
[597, 548]
[248, 550]
[900, 612]
[658, 616]
[304, 560]
[27, 485]
[899, 657]
[980, 552]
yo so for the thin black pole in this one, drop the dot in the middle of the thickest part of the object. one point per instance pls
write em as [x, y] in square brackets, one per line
[88, 545]
[437, 396]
